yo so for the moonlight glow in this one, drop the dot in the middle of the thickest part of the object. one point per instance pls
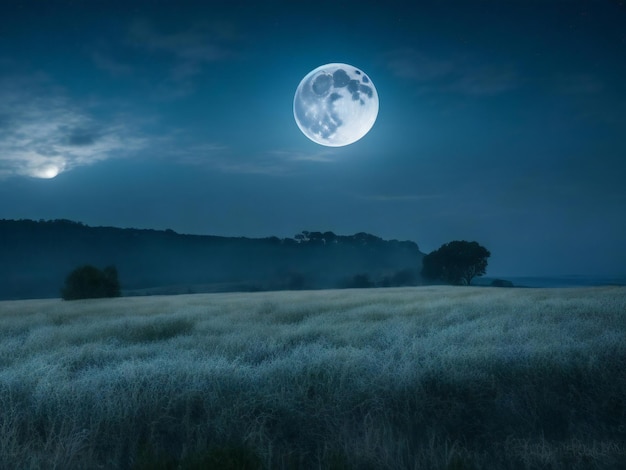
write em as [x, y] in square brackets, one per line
[46, 172]
[335, 105]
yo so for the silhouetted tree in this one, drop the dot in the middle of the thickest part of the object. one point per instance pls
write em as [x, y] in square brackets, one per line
[457, 262]
[111, 282]
[359, 281]
[329, 237]
[88, 282]
[296, 281]
[316, 238]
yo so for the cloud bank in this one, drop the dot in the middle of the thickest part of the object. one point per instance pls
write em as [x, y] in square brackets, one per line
[453, 74]
[43, 133]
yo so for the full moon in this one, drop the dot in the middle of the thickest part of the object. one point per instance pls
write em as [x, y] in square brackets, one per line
[335, 105]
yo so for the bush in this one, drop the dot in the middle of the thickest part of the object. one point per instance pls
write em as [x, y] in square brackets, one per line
[89, 282]
[501, 283]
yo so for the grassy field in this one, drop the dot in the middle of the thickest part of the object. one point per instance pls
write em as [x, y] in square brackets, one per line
[406, 378]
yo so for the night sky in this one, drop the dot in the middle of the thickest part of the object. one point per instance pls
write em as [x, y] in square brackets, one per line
[502, 122]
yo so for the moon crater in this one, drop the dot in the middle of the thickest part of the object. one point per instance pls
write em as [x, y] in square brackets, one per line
[335, 105]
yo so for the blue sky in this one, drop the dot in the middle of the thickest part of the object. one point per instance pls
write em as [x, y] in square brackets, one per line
[502, 122]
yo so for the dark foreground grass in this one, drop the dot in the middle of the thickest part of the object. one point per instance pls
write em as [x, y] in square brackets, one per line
[421, 378]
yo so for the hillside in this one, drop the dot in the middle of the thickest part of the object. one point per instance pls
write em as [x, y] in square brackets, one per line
[36, 256]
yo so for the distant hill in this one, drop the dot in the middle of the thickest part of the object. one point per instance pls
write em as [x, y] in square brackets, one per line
[36, 256]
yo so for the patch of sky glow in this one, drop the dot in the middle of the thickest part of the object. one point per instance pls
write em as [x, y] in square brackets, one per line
[44, 134]
[46, 172]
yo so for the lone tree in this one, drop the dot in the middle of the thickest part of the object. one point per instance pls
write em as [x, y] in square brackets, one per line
[457, 262]
[89, 282]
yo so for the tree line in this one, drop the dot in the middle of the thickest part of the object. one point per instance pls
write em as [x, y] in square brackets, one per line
[36, 256]
[457, 263]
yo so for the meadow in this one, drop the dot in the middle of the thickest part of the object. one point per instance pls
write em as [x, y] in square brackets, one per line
[434, 377]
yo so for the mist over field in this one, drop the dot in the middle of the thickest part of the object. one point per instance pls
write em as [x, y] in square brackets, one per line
[38, 255]
[400, 378]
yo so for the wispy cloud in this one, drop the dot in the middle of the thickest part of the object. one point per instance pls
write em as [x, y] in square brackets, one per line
[398, 197]
[187, 53]
[200, 44]
[217, 156]
[114, 67]
[324, 156]
[456, 75]
[259, 166]
[44, 133]
[485, 80]
[413, 65]
[214, 156]
[582, 83]
[184, 55]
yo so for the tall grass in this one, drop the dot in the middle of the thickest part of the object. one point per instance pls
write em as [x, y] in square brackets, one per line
[406, 378]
